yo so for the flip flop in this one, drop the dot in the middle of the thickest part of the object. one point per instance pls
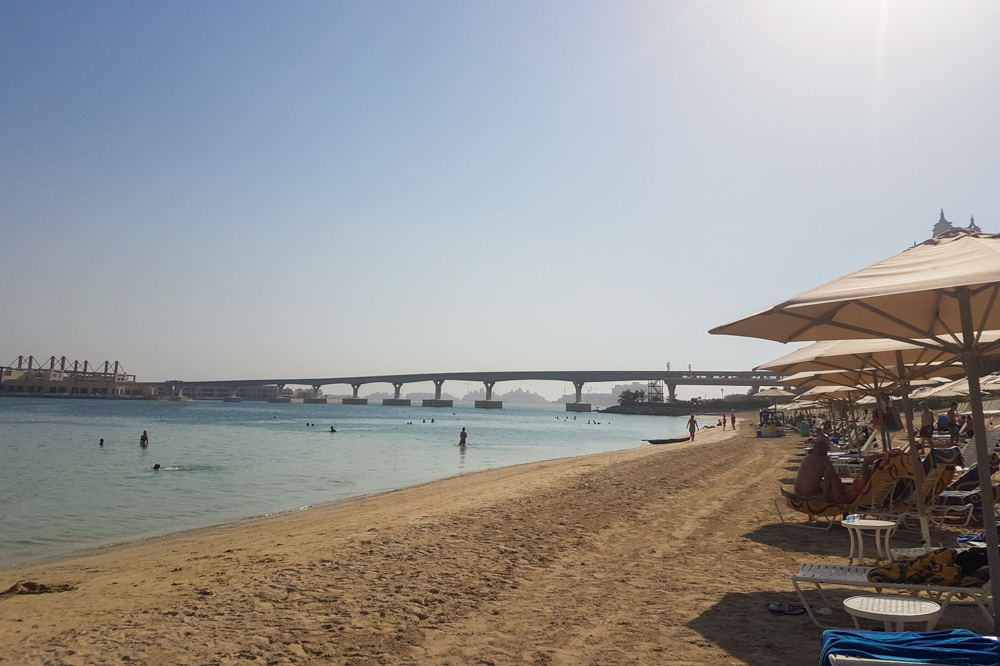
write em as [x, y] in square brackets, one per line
[790, 609]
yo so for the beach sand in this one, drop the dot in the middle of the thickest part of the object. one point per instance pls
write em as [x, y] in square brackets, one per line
[655, 555]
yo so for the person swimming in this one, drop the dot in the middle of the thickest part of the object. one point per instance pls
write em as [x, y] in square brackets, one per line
[156, 467]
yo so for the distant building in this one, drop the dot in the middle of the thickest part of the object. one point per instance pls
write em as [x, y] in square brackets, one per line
[26, 376]
[944, 226]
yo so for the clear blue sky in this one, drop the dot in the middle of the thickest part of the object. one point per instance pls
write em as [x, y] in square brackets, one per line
[247, 189]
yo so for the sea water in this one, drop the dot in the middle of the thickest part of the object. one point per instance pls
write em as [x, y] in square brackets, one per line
[61, 493]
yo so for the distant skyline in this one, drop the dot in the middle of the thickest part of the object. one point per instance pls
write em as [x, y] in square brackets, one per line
[251, 189]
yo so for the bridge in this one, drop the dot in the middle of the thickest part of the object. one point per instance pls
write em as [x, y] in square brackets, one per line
[671, 379]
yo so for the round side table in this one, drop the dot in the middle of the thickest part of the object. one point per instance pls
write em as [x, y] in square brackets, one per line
[880, 529]
[893, 611]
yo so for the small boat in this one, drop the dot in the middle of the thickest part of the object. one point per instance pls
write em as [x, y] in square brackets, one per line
[669, 440]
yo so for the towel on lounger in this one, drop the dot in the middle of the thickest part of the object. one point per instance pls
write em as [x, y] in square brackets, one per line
[958, 646]
[946, 567]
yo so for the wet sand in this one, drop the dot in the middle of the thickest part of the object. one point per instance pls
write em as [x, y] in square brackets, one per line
[656, 555]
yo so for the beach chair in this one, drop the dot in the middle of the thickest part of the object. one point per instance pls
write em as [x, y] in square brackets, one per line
[846, 660]
[879, 648]
[938, 468]
[876, 495]
[817, 575]
[963, 495]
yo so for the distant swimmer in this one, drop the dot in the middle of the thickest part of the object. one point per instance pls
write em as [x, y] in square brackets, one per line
[156, 467]
[102, 442]
[332, 429]
[461, 437]
[144, 440]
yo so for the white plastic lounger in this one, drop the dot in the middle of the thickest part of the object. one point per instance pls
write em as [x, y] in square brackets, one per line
[841, 660]
[857, 576]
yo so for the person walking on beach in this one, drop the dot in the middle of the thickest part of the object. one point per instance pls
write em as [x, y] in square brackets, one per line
[723, 421]
[926, 426]
[732, 420]
[692, 426]
[461, 437]
[144, 440]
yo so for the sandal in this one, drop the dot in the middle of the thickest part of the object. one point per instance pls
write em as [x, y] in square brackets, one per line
[790, 609]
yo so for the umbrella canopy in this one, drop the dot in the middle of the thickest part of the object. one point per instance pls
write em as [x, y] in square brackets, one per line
[865, 353]
[941, 294]
[914, 294]
[774, 393]
[870, 379]
[959, 388]
[833, 392]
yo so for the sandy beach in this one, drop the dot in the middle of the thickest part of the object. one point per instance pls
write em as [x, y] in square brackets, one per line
[655, 555]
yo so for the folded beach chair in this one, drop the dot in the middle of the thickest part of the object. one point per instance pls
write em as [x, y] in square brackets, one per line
[875, 496]
[879, 648]
[817, 575]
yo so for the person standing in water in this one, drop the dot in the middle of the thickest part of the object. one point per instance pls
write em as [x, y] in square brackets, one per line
[461, 437]
[102, 442]
[144, 440]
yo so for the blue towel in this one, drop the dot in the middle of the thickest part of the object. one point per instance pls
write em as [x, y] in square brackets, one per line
[975, 538]
[958, 646]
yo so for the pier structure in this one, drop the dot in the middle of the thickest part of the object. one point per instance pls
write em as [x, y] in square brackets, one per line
[579, 378]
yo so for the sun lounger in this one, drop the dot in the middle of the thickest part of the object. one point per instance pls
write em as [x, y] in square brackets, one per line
[842, 660]
[817, 575]
[877, 648]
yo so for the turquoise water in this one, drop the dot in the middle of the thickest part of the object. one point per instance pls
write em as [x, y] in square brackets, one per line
[61, 493]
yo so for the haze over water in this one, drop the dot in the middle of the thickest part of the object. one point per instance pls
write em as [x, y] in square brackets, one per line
[61, 493]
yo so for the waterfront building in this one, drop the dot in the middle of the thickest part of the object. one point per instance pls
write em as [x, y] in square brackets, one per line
[26, 376]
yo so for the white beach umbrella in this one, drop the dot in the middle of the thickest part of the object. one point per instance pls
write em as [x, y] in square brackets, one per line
[849, 362]
[941, 294]
[866, 353]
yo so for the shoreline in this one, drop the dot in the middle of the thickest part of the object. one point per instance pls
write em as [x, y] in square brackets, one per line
[646, 555]
[278, 515]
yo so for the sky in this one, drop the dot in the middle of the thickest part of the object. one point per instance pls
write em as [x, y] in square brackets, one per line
[235, 190]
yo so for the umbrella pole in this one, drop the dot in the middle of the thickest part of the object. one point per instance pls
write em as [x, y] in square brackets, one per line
[970, 360]
[918, 467]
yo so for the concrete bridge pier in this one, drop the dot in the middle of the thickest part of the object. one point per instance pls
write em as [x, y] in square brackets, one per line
[578, 406]
[437, 401]
[177, 393]
[755, 389]
[354, 399]
[280, 398]
[232, 397]
[316, 398]
[672, 392]
[397, 401]
[489, 403]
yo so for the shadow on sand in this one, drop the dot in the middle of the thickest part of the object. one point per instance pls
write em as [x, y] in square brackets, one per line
[741, 625]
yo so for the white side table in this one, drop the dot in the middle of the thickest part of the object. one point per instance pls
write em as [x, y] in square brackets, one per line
[881, 530]
[893, 611]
